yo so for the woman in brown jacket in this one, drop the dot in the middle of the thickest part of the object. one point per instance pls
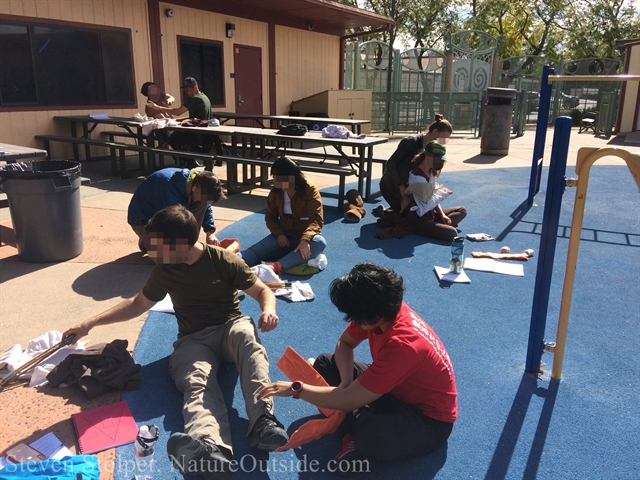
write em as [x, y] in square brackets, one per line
[294, 217]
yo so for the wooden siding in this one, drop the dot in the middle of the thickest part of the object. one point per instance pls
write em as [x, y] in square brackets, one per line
[197, 24]
[298, 53]
[19, 128]
[630, 104]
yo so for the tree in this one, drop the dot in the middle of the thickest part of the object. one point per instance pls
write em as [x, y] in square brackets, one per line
[596, 25]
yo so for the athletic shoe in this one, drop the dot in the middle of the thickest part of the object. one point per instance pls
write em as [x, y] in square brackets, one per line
[195, 455]
[267, 434]
[350, 460]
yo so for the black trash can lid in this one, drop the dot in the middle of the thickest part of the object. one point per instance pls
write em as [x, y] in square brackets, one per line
[41, 169]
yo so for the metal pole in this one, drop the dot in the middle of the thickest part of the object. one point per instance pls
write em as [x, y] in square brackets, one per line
[392, 38]
[551, 219]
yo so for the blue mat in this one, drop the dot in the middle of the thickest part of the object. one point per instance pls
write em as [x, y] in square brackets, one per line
[511, 425]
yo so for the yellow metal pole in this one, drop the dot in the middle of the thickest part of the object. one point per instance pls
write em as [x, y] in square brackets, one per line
[586, 158]
[594, 78]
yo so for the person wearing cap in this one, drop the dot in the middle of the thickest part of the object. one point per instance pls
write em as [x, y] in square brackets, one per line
[397, 168]
[199, 106]
[421, 200]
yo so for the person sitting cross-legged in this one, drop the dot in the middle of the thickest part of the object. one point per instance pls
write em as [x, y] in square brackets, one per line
[402, 405]
[203, 282]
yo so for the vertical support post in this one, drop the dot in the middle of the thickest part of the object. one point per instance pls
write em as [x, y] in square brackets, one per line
[541, 133]
[548, 237]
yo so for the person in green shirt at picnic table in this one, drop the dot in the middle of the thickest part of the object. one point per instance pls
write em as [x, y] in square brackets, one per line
[199, 106]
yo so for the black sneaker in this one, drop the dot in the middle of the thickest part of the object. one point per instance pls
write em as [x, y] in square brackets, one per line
[194, 455]
[378, 211]
[268, 434]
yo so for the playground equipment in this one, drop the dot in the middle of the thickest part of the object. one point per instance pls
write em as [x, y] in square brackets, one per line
[556, 184]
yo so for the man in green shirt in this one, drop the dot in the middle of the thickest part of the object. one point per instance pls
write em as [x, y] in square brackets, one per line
[199, 106]
[203, 282]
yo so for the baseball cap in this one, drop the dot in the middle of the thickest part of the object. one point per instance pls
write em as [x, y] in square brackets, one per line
[437, 150]
[189, 82]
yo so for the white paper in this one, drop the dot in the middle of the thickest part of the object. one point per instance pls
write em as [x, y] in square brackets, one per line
[48, 445]
[494, 266]
[445, 276]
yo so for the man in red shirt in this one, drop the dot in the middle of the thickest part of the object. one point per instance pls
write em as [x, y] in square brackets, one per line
[402, 405]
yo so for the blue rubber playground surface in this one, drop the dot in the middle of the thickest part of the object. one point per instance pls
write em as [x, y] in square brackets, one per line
[512, 425]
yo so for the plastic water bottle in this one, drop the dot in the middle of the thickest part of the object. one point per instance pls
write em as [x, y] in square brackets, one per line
[144, 449]
[457, 255]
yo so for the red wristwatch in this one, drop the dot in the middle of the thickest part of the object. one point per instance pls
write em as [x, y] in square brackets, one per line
[296, 388]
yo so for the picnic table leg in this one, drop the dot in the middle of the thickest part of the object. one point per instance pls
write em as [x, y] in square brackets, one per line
[74, 134]
[140, 140]
[85, 134]
[361, 172]
[369, 170]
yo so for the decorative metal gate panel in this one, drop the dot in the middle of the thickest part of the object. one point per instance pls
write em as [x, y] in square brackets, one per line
[473, 53]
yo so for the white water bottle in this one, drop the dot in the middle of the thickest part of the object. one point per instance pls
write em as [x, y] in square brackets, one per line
[144, 449]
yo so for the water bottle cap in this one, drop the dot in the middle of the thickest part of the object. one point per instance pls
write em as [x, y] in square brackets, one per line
[144, 429]
[458, 240]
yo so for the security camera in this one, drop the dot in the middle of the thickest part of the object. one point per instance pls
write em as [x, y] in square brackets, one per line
[169, 12]
[310, 26]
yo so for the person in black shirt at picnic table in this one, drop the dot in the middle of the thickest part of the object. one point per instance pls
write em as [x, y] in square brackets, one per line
[199, 106]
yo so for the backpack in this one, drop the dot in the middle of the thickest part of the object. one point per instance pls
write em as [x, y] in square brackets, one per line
[292, 129]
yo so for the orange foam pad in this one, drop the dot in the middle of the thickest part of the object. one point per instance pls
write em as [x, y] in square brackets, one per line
[297, 368]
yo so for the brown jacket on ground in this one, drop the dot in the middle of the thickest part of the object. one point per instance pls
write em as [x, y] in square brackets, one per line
[306, 219]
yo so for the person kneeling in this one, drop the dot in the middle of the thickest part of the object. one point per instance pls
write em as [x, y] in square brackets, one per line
[402, 405]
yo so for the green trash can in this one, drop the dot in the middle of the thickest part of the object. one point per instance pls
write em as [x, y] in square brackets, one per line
[44, 203]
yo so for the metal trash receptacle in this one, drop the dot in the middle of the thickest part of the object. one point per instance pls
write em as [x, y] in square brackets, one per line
[496, 121]
[44, 203]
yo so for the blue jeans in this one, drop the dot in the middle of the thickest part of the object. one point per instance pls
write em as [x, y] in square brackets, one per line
[268, 249]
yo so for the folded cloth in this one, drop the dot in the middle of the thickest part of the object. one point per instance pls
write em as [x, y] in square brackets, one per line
[479, 237]
[99, 369]
[157, 123]
[299, 292]
[340, 131]
[266, 274]
[297, 368]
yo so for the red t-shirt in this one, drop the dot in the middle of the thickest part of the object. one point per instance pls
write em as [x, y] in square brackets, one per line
[411, 363]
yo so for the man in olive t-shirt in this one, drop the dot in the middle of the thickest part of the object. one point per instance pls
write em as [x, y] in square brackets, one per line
[203, 282]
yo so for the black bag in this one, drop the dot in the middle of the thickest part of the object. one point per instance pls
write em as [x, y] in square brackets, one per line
[293, 129]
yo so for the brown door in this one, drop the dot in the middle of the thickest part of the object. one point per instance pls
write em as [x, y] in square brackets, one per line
[247, 63]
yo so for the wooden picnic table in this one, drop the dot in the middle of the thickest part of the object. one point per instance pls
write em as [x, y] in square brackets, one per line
[255, 143]
[15, 153]
[276, 120]
[99, 119]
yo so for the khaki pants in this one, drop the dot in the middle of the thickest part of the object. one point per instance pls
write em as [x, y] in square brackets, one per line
[194, 367]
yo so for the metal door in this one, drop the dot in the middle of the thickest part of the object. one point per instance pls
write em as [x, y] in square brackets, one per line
[247, 64]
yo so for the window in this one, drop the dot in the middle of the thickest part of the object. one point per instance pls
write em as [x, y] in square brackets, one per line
[203, 61]
[63, 65]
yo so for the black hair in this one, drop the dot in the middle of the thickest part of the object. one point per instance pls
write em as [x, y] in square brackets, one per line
[145, 88]
[440, 124]
[419, 158]
[284, 166]
[174, 223]
[368, 293]
[210, 185]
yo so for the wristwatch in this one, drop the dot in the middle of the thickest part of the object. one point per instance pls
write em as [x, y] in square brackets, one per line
[296, 388]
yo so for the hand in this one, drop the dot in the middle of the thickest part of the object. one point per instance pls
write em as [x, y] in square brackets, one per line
[446, 220]
[304, 249]
[444, 189]
[211, 239]
[78, 331]
[267, 321]
[278, 389]
[283, 241]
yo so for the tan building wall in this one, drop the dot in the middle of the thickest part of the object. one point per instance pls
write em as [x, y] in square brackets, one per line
[19, 128]
[297, 53]
[189, 22]
[632, 90]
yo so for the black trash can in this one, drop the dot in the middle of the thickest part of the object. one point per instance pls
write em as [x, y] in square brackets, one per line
[496, 121]
[44, 203]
